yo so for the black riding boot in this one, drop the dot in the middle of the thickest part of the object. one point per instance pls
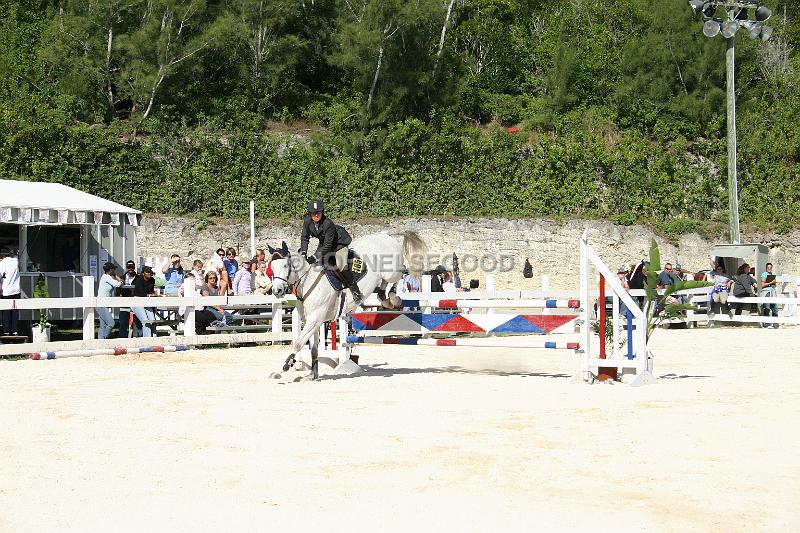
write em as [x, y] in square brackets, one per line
[349, 283]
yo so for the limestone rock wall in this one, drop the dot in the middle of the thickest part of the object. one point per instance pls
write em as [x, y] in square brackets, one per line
[493, 244]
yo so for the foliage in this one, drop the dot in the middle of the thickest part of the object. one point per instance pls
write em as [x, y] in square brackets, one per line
[391, 108]
[40, 291]
[662, 306]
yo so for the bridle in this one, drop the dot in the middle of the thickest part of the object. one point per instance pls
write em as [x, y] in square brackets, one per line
[300, 279]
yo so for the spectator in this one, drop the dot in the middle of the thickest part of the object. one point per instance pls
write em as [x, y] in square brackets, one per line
[622, 276]
[231, 264]
[130, 273]
[145, 285]
[260, 256]
[436, 278]
[262, 281]
[107, 287]
[197, 273]
[722, 284]
[636, 280]
[410, 282]
[217, 263]
[447, 283]
[9, 276]
[173, 276]
[744, 286]
[769, 283]
[527, 269]
[211, 288]
[667, 277]
[243, 281]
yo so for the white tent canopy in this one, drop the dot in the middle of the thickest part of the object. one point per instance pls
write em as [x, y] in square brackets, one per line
[37, 203]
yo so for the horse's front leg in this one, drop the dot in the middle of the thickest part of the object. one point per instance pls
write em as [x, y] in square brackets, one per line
[315, 355]
[308, 330]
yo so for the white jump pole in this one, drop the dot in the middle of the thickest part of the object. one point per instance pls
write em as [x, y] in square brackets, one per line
[252, 228]
[88, 311]
[189, 325]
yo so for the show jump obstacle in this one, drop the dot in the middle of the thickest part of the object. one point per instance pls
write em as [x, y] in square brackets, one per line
[478, 319]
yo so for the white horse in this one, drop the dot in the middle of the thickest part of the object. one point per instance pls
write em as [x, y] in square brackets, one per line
[320, 302]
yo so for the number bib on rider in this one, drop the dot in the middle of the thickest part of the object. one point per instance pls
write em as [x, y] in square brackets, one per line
[357, 266]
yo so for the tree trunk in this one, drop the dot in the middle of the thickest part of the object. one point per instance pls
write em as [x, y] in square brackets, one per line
[374, 82]
[109, 87]
[443, 36]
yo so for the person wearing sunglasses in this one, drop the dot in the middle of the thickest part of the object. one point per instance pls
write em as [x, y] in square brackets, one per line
[333, 245]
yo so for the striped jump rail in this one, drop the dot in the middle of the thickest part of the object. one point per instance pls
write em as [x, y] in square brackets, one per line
[36, 356]
[494, 304]
[495, 342]
[419, 323]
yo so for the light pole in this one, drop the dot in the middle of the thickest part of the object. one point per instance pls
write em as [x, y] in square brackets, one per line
[736, 15]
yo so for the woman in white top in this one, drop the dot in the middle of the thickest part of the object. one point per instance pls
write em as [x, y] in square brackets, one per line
[109, 283]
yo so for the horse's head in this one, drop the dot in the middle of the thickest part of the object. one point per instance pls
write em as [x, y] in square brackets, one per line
[286, 271]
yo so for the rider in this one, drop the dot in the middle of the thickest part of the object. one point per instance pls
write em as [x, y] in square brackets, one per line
[333, 242]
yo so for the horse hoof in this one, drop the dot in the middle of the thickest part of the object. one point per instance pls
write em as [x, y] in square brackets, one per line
[289, 363]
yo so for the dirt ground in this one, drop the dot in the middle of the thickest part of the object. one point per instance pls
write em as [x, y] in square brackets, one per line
[427, 439]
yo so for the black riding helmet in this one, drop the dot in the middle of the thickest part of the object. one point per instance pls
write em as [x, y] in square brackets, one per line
[315, 205]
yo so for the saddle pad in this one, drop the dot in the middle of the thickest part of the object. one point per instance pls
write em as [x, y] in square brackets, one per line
[354, 265]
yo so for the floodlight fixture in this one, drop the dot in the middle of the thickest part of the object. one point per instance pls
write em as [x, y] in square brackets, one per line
[763, 13]
[697, 6]
[766, 33]
[711, 28]
[753, 29]
[741, 14]
[709, 9]
[729, 28]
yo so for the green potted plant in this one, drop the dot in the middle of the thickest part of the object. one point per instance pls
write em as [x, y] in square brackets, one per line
[41, 330]
[663, 306]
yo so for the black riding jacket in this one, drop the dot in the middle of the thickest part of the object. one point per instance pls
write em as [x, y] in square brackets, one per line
[332, 238]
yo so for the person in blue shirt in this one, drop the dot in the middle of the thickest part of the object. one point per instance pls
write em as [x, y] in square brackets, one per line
[231, 264]
[173, 274]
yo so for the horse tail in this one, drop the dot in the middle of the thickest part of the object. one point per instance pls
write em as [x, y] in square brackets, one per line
[413, 248]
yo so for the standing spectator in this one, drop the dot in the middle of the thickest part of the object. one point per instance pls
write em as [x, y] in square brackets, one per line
[70, 254]
[145, 285]
[107, 287]
[197, 273]
[527, 269]
[243, 280]
[130, 273]
[173, 274]
[769, 284]
[231, 264]
[636, 280]
[9, 274]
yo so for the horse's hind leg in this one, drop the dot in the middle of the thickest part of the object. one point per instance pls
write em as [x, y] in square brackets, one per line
[390, 301]
[315, 355]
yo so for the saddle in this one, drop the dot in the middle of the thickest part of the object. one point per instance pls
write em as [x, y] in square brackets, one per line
[355, 265]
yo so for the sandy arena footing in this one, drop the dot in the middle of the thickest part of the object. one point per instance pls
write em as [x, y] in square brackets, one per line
[426, 438]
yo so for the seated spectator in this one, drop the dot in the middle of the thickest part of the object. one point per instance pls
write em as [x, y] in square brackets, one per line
[173, 276]
[769, 283]
[719, 293]
[130, 273]
[260, 256]
[667, 277]
[437, 276]
[447, 282]
[744, 286]
[409, 283]
[262, 281]
[211, 288]
[217, 264]
[243, 281]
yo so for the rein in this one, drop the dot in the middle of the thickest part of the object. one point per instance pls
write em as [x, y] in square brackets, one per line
[300, 281]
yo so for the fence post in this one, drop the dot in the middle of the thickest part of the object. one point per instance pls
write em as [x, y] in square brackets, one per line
[88, 310]
[277, 319]
[490, 288]
[425, 288]
[189, 325]
[545, 282]
[585, 327]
